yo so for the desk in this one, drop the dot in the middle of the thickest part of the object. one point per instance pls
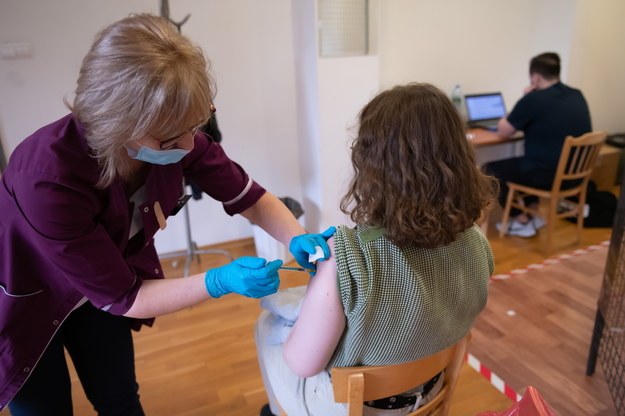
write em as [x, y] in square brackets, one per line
[482, 137]
[489, 146]
[604, 175]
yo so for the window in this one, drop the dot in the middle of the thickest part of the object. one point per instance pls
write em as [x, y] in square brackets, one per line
[343, 27]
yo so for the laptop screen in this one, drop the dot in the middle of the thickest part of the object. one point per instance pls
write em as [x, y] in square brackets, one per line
[485, 106]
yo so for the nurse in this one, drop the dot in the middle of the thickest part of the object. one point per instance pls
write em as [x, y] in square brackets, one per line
[80, 202]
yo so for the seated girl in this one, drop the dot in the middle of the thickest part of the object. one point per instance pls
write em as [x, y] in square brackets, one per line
[409, 280]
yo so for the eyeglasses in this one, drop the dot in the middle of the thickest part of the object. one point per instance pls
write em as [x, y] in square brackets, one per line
[169, 143]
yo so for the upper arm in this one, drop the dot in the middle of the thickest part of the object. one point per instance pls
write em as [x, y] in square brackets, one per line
[524, 111]
[220, 177]
[321, 323]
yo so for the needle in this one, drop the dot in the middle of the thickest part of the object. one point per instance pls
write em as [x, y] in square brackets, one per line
[297, 269]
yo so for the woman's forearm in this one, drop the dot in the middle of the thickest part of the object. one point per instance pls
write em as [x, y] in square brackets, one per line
[162, 296]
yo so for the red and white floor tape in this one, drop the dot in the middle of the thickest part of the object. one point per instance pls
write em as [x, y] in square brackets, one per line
[476, 364]
[553, 260]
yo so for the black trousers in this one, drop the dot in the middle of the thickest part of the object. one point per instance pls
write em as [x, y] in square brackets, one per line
[515, 170]
[101, 348]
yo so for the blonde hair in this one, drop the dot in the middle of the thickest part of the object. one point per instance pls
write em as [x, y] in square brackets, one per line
[141, 76]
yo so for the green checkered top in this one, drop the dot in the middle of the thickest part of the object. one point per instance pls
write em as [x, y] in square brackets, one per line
[405, 303]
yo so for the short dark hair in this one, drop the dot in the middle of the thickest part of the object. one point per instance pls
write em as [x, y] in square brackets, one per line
[546, 65]
[414, 169]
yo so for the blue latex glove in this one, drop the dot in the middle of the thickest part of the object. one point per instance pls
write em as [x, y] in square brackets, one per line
[305, 244]
[248, 276]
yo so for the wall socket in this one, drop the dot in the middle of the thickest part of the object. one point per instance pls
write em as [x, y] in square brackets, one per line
[15, 50]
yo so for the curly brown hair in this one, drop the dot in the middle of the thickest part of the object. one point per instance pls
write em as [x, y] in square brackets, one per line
[415, 172]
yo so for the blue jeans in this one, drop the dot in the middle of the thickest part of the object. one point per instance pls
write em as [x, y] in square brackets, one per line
[101, 348]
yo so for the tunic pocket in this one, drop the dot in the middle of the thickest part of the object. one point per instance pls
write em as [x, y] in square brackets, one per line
[8, 292]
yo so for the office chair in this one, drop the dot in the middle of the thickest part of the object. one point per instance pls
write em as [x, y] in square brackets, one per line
[577, 160]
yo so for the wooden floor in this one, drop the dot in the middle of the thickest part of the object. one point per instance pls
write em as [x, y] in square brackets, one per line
[538, 333]
[202, 361]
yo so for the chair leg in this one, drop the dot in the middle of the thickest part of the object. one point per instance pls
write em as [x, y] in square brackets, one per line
[551, 220]
[453, 372]
[506, 212]
[355, 391]
[580, 216]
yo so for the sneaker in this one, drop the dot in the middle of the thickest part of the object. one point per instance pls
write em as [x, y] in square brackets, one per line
[519, 229]
[538, 222]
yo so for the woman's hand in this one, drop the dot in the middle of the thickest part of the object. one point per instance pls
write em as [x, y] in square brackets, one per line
[248, 276]
[304, 245]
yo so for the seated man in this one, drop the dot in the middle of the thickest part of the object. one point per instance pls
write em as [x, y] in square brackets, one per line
[408, 280]
[547, 113]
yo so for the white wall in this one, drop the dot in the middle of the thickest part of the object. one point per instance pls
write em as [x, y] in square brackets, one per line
[345, 85]
[481, 44]
[330, 93]
[598, 61]
[32, 90]
[486, 45]
[250, 46]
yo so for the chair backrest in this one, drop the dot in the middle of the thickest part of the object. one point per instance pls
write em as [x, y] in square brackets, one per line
[355, 385]
[578, 158]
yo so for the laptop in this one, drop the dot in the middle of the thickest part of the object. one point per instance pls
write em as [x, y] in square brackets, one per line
[484, 110]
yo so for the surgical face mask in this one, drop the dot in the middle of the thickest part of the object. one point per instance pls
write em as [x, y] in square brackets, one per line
[158, 157]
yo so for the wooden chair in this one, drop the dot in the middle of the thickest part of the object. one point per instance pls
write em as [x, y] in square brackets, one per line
[355, 385]
[577, 160]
